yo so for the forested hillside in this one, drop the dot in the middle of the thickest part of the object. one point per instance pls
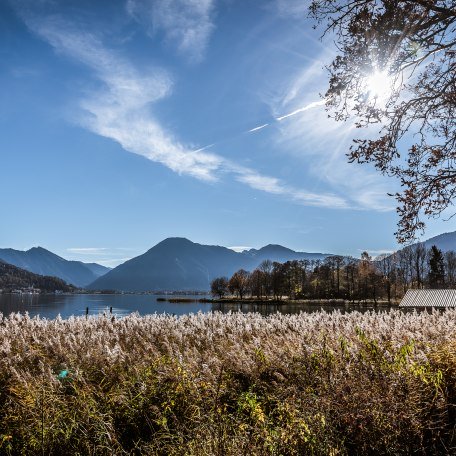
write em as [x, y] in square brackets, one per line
[43, 262]
[12, 278]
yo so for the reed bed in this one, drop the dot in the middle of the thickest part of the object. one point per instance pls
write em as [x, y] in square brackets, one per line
[229, 384]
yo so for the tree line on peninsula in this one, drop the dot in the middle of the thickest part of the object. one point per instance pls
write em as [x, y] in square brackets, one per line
[387, 277]
[12, 278]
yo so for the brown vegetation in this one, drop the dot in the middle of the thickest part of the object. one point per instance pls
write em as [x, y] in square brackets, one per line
[386, 278]
[229, 384]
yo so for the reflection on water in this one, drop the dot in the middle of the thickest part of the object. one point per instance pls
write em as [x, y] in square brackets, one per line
[49, 306]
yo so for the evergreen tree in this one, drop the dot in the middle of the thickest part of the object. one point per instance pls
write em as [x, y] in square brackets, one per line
[436, 268]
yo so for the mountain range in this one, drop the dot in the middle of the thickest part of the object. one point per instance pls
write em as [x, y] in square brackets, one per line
[43, 262]
[172, 264]
[179, 264]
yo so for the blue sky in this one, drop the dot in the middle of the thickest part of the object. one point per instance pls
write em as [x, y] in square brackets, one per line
[125, 122]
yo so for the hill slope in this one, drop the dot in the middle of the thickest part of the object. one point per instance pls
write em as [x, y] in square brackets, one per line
[43, 262]
[445, 241]
[179, 264]
[12, 277]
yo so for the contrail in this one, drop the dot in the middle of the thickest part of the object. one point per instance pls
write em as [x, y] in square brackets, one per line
[204, 148]
[305, 108]
[314, 104]
[258, 128]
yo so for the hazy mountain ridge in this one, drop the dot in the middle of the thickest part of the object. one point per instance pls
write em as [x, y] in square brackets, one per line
[281, 254]
[179, 264]
[444, 241]
[172, 264]
[97, 269]
[43, 262]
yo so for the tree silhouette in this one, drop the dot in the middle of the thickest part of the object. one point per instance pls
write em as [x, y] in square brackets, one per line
[219, 287]
[239, 283]
[436, 275]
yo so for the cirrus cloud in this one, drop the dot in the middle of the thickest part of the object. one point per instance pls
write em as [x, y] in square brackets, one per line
[121, 109]
[187, 24]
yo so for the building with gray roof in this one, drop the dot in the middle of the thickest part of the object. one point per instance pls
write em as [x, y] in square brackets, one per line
[429, 298]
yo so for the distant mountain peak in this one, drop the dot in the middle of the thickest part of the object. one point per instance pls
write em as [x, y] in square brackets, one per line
[177, 263]
[173, 243]
[39, 260]
[276, 247]
[37, 249]
[41, 251]
[176, 240]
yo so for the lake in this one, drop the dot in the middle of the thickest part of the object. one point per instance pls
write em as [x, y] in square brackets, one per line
[49, 306]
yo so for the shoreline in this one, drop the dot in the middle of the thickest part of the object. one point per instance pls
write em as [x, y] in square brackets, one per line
[332, 302]
[188, 298]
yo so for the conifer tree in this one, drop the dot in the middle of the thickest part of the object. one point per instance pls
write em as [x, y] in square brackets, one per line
[436, 268]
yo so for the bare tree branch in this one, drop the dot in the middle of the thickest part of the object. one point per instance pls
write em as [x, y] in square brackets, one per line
[414, 43]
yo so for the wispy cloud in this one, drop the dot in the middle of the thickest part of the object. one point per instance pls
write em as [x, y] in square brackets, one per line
[105, 256]
[293, 8]
[239, 248]
[87, 250]
[187, 24]
[321, 142]
[277, 187]
[122, 110]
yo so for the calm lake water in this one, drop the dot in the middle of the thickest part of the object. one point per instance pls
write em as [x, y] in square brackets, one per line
[49, 306]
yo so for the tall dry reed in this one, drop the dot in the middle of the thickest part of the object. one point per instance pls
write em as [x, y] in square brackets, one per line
[229, 384]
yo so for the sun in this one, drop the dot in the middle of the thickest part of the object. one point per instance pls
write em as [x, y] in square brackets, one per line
[379, 86]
